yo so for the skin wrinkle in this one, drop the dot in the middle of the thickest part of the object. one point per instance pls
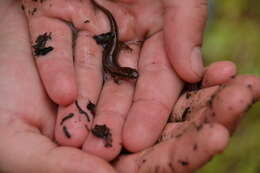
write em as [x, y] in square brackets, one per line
[169, 135]
[156, 102]
[149, 35]
[89, 61]
[155, 26]
[85, 65]
[127, 30]
[26, 119]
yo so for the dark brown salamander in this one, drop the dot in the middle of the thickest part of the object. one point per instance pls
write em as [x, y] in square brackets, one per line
[111, 44]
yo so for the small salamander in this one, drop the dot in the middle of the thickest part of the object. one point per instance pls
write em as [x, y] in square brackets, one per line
[111, 44]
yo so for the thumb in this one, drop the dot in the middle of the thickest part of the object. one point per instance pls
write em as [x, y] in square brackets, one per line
[184, 25]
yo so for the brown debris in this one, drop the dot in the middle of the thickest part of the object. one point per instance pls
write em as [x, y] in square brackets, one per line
[185, 113]
[183, 163]
[40, 43]
[195, 147]
[70, 115]
[92, 108]
[86, 21]
[188, 95]
[81, 111]
[66, 132]
[102, 131]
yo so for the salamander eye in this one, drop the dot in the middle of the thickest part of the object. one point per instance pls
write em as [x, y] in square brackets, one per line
[130, 73]
[134, 74]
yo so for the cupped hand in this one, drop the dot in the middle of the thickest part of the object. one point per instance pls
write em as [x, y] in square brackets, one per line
[70, 67]
[202, 120]
[201, 123]
[27, 115]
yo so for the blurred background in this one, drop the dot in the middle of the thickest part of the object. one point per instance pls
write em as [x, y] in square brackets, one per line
[233, 33]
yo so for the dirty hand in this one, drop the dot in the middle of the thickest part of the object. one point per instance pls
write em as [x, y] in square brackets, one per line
[70, 68]
[27, 115]
[69, 63]
[201, 123]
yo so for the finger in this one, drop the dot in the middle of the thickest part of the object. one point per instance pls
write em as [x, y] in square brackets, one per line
[74, 121]
[219, 73]
[184, 26]
[88, 65]
[233, 100]
[226, 103]
[25, 139]
[157, 90]
[56, 66]
[52, 47]
[179, 154]
[114, 103]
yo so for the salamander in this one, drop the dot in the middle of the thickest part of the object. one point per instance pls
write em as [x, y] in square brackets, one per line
[111, 49]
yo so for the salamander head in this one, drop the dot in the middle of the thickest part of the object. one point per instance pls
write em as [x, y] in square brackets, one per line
[130, 73]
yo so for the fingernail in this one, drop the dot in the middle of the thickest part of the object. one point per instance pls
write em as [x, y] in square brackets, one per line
[197, 63]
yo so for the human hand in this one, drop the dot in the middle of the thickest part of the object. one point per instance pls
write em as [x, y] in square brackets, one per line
[201, 123]
[27, 115]
[173, 139]
[115, 101]
[182, 23]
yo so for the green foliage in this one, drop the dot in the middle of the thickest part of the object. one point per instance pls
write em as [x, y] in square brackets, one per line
[233, 33]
